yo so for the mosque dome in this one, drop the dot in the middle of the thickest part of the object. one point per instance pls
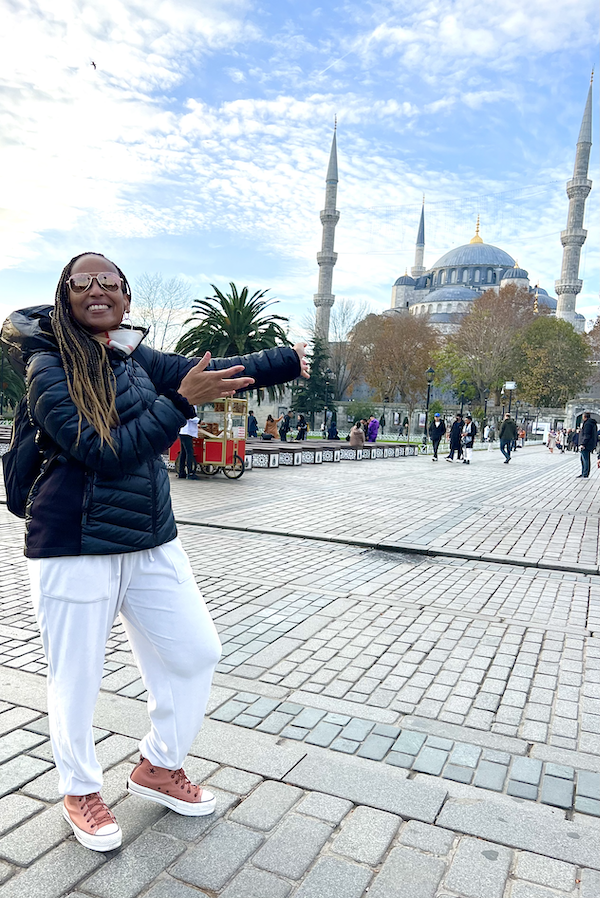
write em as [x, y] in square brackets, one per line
[405, 281]
[450, 294]
[514, 273]
[475, 254]
[544, 299]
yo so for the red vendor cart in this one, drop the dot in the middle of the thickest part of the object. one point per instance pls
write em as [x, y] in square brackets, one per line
[221, 442]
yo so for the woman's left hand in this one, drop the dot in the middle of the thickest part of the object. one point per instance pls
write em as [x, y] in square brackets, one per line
[300, 350]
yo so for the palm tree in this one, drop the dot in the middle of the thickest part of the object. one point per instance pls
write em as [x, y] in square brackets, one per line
[232, 324]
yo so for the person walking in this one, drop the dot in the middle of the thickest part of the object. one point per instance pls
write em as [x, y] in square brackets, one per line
[456, 438]
[252, 425]
[302, 428]
[469, 433]
[437, 430]
[508, 433]
[551, 440]
[285, 426]
[187, 460]
[101, 538]
[588, 440]
[373, 429]
[357, 435]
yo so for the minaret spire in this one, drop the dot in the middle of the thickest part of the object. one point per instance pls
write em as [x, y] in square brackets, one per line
[573, 237]
[418, 269]
[324, 298]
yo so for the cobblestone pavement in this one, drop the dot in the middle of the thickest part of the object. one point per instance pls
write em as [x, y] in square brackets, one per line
[409, 711]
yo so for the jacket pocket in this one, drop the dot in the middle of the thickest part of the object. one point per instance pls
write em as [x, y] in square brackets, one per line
[81, 579]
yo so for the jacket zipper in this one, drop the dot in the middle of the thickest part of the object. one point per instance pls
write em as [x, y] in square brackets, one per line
[87, 497]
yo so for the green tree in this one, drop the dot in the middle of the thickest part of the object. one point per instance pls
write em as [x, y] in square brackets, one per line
[232, 324]
[313, 395]
[358, 409]
[551, 362]
[481, 352]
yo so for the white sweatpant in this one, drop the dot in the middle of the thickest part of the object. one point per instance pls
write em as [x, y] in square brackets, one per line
[172, 636]
[468, 452]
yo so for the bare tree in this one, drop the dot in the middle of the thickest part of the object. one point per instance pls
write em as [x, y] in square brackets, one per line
[163, 307]
[346, 358]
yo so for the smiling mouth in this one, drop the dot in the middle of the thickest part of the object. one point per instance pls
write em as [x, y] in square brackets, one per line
[98, 307]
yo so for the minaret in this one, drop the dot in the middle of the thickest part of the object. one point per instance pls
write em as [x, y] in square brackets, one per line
[418, 269]
[574, 236]
[324, 299]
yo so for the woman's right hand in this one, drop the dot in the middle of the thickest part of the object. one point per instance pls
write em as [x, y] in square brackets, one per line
[200, 386]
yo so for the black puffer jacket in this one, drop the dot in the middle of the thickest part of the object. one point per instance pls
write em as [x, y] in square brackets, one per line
[93, 501]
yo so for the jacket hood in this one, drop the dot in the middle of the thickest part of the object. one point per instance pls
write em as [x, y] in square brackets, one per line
[27, 331]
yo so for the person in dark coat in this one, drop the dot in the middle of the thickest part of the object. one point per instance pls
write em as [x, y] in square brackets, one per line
[456, 438]
[302, 428]
[437, 430]
[285, 426]
[252, 425]
[101, 538]
[588, 438]
[508, 434]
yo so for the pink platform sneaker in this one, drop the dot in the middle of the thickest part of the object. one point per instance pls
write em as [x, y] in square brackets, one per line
[172, 788]
[92, 822]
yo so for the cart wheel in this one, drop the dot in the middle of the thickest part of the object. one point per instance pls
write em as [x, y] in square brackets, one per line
[209, 470]
[236, 470]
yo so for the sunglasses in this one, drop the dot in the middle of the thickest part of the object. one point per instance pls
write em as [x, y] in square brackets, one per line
[106, 280]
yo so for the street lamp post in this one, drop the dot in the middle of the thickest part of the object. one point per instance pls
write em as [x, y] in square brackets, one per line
[486, 395]
[429, 375]
[463, 387]
[511, 386]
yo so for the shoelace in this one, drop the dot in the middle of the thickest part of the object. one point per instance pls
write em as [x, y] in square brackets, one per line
[180, 777]
[95, 810]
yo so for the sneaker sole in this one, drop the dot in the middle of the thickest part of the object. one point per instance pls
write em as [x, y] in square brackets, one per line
[186, 808]
[94, 843]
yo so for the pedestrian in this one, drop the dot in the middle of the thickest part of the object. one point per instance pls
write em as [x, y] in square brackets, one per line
[372, 429]
[365, 426]
[437, 430]
[357, 435]
[570, 435]
[486, 433]
[302, 428]
[456, 438]
[332, 433]
[252, 425]
[469, 433]
[187, 460]
[285, 426]
[551, 440]
[587, 442]
[508, 433]
[270, 431]
[101, 538]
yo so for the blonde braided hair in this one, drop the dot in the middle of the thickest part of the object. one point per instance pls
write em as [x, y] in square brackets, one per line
[90, 378]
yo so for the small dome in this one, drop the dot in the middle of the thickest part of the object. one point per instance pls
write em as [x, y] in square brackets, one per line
[544, 299]
[475, 254]
[405, 281]
[514, 273]
[450, 294]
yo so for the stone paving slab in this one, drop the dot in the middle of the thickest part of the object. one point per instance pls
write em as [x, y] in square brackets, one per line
[485, 659]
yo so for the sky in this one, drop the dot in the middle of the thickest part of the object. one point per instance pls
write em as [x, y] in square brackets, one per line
[192, 139]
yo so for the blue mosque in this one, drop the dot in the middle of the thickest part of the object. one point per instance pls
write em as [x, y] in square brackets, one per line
[446, 291]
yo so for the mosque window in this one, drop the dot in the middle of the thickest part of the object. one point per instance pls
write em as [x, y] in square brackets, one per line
[453, 276]
[477, 275]
[441, 278]
[439, 308]
[489, 276]
[465, 275]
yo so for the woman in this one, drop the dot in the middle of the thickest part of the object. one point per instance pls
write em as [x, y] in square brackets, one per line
[271, 425]
[468, 438]
[551, 441]
[101, 537]
[357, 435]
[302, 428]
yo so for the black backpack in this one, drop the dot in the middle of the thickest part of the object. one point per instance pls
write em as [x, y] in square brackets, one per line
[24, 461]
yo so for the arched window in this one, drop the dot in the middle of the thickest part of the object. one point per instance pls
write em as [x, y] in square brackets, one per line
[453, 276]
[465, 275]
[477, 275]
[439, 308]
[489, 275]
[441, 277]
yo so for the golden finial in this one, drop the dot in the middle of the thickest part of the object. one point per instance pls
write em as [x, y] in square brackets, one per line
[477, 238]
[423, 199]
[592, 77]
[406, 271]
[517, 264]
[335, 122]
[535, 300]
